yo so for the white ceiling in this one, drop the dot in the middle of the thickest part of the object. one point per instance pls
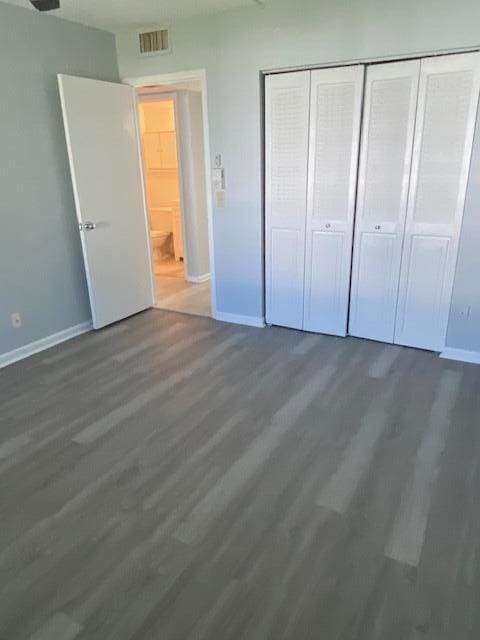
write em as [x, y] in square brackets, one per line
[116, 15]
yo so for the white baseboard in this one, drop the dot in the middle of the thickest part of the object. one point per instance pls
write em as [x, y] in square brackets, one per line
[250, 321]
[44, 343]
[463, 355]
[198, 279]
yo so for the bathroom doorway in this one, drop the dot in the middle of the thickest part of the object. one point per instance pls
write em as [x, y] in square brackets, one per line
[172, 141]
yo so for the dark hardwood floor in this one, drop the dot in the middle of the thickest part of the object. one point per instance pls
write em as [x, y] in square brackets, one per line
[176, 478]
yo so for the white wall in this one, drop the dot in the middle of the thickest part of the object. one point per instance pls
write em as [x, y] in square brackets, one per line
[464, 326]
[235, 46]
[194, 197]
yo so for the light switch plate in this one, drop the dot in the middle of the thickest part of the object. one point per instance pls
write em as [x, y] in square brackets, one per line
[16, 319]
[218, 179]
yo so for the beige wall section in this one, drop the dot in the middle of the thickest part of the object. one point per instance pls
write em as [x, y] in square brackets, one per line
[157, 124]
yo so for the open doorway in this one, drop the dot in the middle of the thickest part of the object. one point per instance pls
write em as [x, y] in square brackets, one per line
[172, 141]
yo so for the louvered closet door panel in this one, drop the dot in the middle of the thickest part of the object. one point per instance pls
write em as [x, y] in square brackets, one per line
[286, 157]
[335, 111]
[384, 172]
[447, 106]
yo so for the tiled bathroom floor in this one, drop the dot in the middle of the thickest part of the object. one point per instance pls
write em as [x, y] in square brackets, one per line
[176, 294]
[169, 267]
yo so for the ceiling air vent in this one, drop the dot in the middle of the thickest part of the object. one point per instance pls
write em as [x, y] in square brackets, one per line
[154, 42]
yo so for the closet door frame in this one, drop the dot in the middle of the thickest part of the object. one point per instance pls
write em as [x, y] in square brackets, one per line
[376, 235]
[332, 234]
[447, 235]
[368, 63]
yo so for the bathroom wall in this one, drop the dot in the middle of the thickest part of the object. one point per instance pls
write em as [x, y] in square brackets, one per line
[41, 266]
[163, 190]
[235, 46]
[162, 186]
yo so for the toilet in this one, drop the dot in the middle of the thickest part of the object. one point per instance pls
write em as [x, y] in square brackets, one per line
[162, 244]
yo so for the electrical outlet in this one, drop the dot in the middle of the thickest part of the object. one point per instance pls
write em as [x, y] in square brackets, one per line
[16, 319]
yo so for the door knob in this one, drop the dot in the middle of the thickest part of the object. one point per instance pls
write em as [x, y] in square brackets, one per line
[89, 226]
[378, 227]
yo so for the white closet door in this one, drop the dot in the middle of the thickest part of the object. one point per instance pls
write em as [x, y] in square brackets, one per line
[447, 105]
[384, 172]
[335, 112]
[286, 158]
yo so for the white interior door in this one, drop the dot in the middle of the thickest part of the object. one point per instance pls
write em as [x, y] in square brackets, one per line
[286, 154]
[103, 148]
[335, 113]
[447, 105]
[384, 172]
